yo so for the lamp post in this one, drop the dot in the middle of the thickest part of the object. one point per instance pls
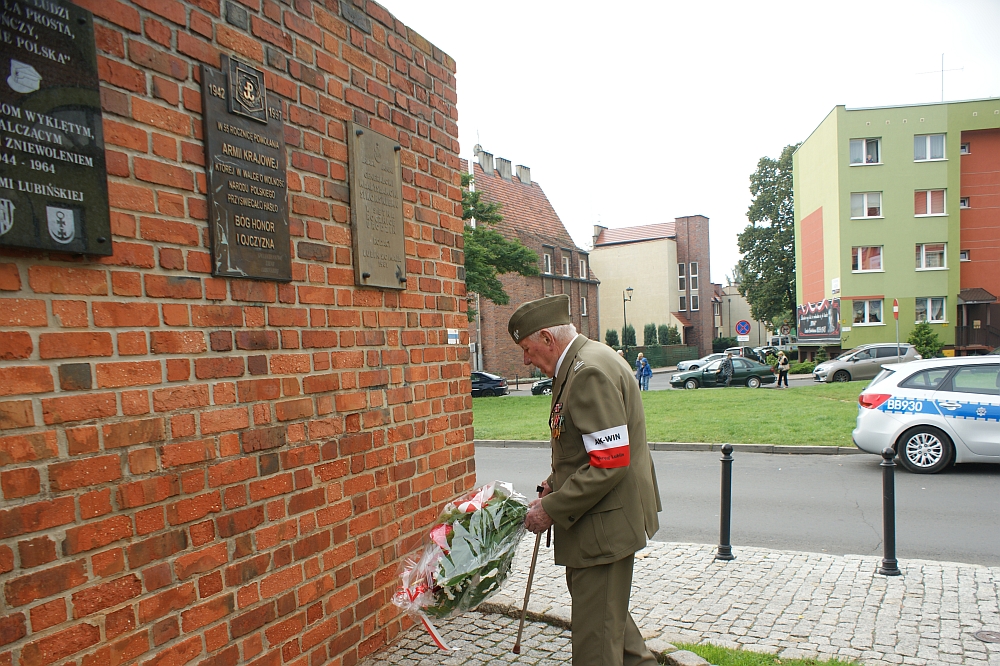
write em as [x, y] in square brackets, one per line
[626, 297]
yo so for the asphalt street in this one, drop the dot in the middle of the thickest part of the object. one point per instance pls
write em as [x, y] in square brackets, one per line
[811, 503]
[660, 381]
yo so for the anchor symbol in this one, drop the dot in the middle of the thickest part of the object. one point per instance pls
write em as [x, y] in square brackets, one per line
[61, 234]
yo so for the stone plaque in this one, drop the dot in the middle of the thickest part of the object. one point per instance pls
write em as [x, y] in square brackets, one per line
[247, 182]
[376, 209]
[53, 178]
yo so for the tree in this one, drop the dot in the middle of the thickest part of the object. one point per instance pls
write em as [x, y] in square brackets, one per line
[628, 336]
[487, 253]
[649, 335]
[663, 334]
[767, 268]
[669, 335]
[611, 337]
[925, 340]
[722, 344]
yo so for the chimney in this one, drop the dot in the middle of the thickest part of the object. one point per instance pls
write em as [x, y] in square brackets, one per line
[485, 159]
[598, 230]
[503, 166]
[524, 174]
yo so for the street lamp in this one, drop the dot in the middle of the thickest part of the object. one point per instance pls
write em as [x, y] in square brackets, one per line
[626, 297]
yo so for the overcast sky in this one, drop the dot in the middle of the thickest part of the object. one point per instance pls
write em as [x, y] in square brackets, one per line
[633, 113]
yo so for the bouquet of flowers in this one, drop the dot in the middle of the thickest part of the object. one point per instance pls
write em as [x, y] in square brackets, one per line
[467, 555]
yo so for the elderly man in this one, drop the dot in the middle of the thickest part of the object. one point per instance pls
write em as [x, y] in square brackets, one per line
[601, 496]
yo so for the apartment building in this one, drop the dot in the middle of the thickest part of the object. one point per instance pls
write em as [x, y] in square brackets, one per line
[902, 204]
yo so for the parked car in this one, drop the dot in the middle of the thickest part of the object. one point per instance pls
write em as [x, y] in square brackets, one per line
[485, 384]
[745, 352]
[542, 387]
[745, 373]
[863, 362]
[694, 364]
[933, 412]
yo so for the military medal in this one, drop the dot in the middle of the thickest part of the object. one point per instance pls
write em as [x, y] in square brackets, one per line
[556, 421]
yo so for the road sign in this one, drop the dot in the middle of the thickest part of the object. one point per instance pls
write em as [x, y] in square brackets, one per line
[743, 327]
[742, 338]
[785, 329]
[895, 309]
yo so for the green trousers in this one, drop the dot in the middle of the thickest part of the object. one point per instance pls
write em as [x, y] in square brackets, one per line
[604, 633]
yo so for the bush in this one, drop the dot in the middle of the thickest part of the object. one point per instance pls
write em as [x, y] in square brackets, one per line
[673, 336]
[649, 335]
[925, 340]
[804, 368]
[628, 336]
[722, 344]
[663, 334]
[611, 337]
[821, 355]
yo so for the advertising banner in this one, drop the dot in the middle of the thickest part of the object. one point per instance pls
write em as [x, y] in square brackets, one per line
[819, 323]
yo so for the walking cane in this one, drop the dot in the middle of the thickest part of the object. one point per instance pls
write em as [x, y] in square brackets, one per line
[527, 589]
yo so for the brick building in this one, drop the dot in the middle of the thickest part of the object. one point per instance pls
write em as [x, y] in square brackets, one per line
[565, 268]
[667, 265]
[199, 470]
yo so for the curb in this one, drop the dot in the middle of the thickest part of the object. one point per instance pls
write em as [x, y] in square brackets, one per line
[780, 449]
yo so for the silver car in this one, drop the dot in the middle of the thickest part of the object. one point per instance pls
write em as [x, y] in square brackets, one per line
[694, 364]
[863, 362]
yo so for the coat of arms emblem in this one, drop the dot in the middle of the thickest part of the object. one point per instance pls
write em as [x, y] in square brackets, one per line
[6, 215]
[62, 224]
[247, 95]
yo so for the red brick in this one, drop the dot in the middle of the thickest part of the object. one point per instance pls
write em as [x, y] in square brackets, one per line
[82, 440]
[221, 420]
[42, 584]
[133, 432]
[121, 75]
[16, 414]
[118, 315]
[60, 645]
[114, 11]
[201, 561]
[71, 314]
[36, 552]
[186, 453]
[147, 491]
[25, 379]
[96, 534]
[219, 366]
[84, 472]
[108, 562]
[27, 448]
[169, 286]
[78, 408]
[177, 654]
[216, 315]
[207, 613]
[184, 397]
[22, 482]
[278, 484]
[74, 345]
[95, 503]
[157, 172]
[169, 231]
[161, 117]
[132, 343]
[156, 548]
[173, 599]
[10, 279]
[158, 61]
[242, 625]
[132, 373]
[15, 345]
[48, 615]
[177, 342]
[23, 312]
[61, 280]
[105, 595]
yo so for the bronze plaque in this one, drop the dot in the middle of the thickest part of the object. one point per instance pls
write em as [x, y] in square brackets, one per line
[53, 178]
[376, 209]
[247, 182]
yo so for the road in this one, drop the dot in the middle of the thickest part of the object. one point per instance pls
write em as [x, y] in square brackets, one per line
[823, 504]
[660, 381]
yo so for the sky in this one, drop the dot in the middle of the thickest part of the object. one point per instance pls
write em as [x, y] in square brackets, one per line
[634, 113]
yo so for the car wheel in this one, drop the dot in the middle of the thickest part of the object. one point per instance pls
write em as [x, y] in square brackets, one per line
[693, 367]
[753, 382]
[691, 384]
[547, 390]
[925, 450]
[841, 376]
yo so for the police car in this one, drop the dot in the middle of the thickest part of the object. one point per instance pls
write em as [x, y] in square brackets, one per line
[933, 412]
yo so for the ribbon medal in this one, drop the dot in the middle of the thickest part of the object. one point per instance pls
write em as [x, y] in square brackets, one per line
[556, 421]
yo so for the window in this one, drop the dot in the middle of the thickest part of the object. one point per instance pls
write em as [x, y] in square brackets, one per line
[694, 280]
[890, 352]
[583, 306]
[694, 301]
[683, 304]
[866, 204]
[565, 263]
[931, 256]
[927, 379]
[963, 202]
[928, 202]
[981, 379]
[963, 255]
[583, 269]
[868, 312]
[547, 286]
[717, 309]
[866, 259]
[681, 280]
[928, 147]
[930, 310]
[865, 151]
[548, 263]
[965, 149]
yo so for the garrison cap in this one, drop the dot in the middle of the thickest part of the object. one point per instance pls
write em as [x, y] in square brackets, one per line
[533, 316]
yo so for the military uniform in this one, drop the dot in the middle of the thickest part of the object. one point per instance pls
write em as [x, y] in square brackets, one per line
[604, 497]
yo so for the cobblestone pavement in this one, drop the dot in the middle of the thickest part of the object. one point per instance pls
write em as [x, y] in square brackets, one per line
[789, 603]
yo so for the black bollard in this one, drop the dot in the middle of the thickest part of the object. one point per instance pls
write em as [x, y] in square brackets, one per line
[889, 566]
[725, 548]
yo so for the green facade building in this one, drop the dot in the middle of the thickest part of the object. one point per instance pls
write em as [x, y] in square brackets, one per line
[899, 203]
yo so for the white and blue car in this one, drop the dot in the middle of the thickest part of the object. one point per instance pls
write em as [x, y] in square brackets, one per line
[933, 412]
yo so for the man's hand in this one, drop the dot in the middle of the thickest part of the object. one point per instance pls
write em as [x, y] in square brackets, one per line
[537, 520]
[544, 489]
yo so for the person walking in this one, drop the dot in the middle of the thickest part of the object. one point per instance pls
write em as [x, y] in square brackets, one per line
[726, 369]
[645, 372]
[783, 366]
[638, 369]
[601, 496]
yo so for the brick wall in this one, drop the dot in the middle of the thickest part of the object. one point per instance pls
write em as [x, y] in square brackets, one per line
[211, 471]
[692, 246]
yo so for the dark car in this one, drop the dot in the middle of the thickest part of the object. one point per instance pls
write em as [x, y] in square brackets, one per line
[485, 384]
[542, 387]
[745, 373]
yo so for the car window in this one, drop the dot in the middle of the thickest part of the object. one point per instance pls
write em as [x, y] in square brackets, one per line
[864, 355]
[714, 365]
[881, 375]
[743, 364]
[886, 352]
[983, 379]
[926, 379]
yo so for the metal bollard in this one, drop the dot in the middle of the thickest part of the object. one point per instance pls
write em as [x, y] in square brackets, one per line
[889, 566]
[725, 548]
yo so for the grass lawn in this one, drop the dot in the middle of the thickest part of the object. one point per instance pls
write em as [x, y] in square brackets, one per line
[815, 415]
[725, 657]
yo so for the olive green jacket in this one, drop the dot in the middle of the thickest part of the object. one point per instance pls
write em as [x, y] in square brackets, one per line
[601, 513]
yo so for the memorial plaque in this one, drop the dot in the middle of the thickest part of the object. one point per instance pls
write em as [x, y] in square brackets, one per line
[376, 209]
[247, 182]
[53, 178]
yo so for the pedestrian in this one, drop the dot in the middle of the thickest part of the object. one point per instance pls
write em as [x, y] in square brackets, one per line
[783, 365]
[726, 369]
[645, 372]
[638, 369]
[601, 497]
